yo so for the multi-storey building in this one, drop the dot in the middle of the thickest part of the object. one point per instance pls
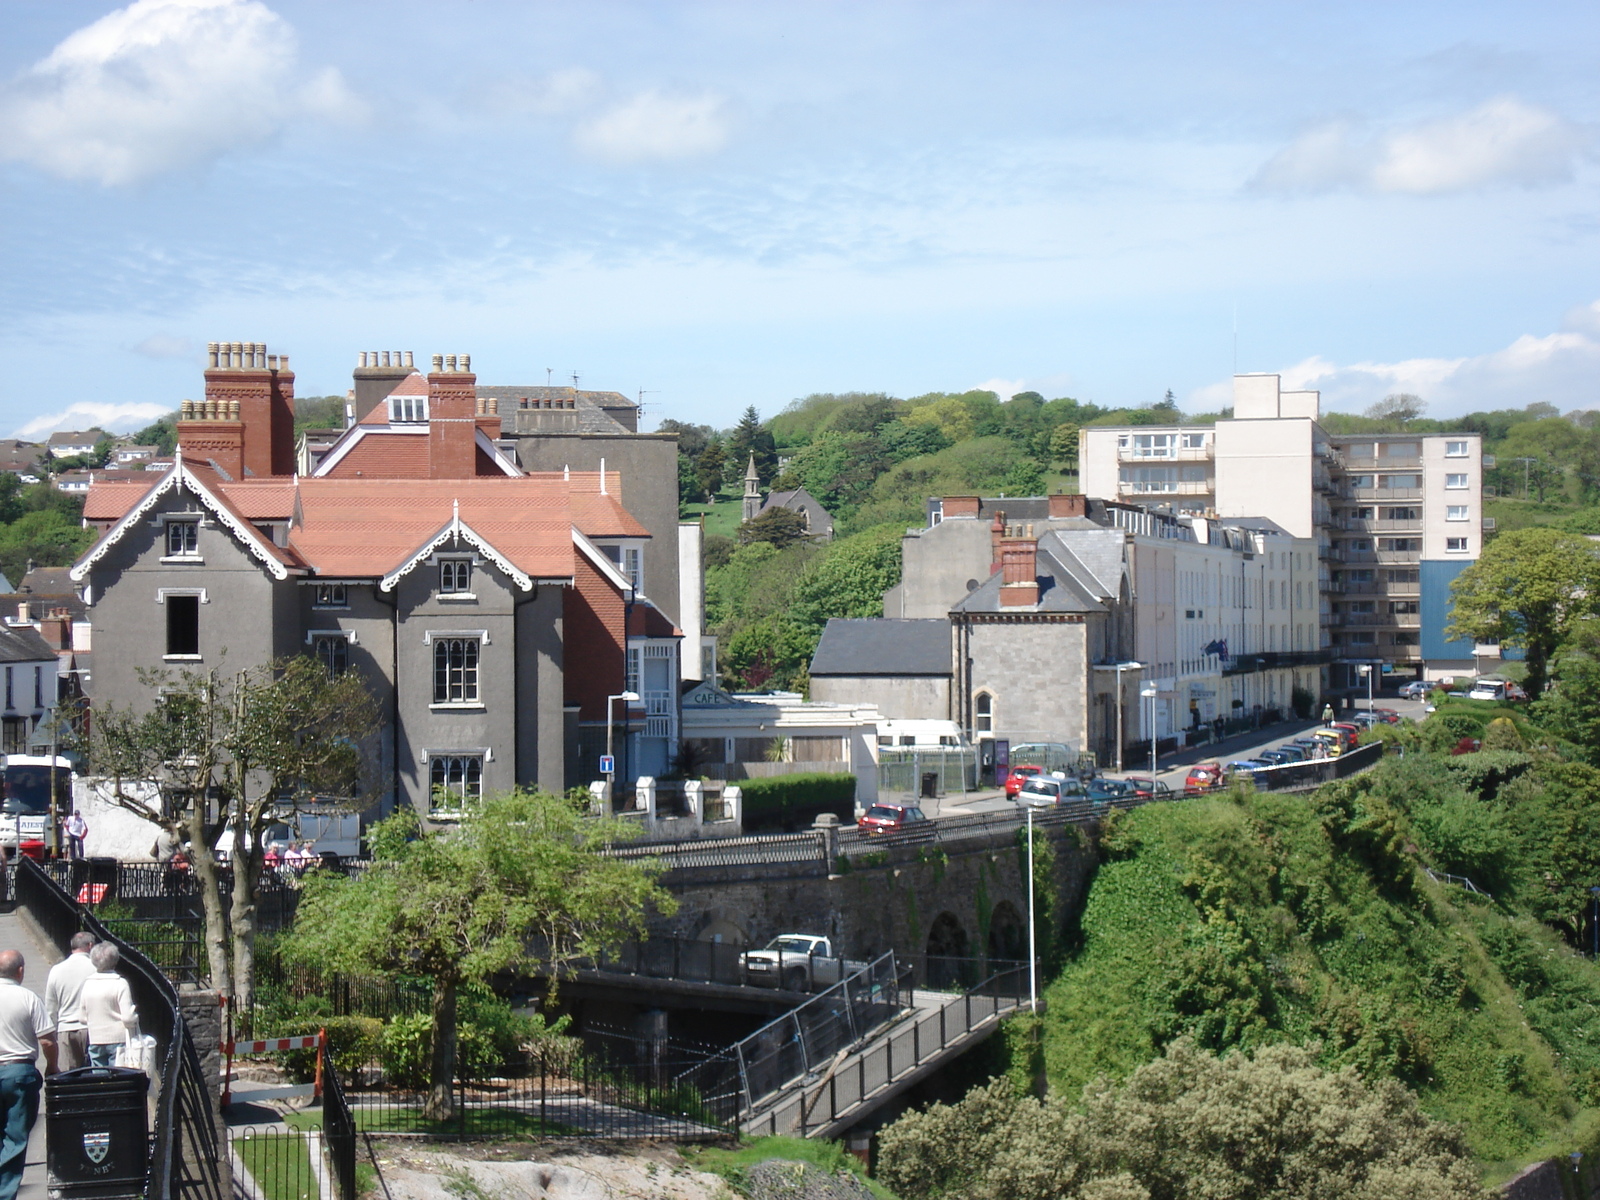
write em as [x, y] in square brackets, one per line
[497, 614]
[1394, 517]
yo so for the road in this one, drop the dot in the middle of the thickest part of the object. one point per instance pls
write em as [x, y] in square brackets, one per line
[1173, 767]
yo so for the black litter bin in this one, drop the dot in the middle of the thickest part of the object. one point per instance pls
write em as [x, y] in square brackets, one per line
[97, 1137]
[930, 785]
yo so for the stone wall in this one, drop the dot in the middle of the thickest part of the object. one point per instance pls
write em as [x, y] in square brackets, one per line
[962, 898]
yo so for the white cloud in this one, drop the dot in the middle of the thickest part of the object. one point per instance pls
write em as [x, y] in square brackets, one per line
[1502, 141]
[1561, 368]
[85, 415]
[165, 345]
[1004, 388]
[656, 127]
[163, 84]
[562, 92]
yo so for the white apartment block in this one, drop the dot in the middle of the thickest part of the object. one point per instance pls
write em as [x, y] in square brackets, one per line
[1393, 517]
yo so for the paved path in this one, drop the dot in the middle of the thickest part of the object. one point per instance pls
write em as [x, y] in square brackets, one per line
[14, 935]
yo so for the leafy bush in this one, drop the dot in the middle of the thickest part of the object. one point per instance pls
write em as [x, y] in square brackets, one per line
[1189, 1124]
[790, 801]
[489, 1038]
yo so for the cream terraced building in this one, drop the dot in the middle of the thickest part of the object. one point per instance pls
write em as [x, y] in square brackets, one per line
[1394, 517]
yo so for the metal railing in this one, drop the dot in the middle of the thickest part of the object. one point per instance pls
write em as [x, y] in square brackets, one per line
[339, 1127]
[737, 1081]
[186, 1152]
[830, 1095]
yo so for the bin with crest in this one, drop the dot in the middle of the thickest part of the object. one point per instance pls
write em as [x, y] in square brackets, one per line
[97, 1139]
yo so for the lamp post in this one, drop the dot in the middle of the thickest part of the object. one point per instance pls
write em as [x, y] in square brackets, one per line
[1150, 693]
[1366, 669]
[1119, 668]
[611, 775]
[1033, 954]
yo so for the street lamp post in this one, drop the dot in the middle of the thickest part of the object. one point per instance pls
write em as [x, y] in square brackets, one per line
[1149, 692]
[611, 775]
[1366, 669]
[1119, 668]
[1033, 953]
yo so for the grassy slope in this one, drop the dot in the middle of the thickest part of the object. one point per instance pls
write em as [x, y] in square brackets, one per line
[1395, 982]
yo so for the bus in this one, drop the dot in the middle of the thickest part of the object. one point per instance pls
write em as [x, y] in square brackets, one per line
[25, 810]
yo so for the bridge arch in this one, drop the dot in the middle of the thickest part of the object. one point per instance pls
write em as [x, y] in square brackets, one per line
[1008, 933]
[947, 949]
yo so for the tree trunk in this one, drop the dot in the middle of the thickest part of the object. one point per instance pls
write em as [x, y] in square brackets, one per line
[246, 878]
[204, 865]
[442, 1064]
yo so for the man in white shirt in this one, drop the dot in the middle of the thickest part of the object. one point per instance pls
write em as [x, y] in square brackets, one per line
[63, 1003]
[107, 1007]
[24, 1031]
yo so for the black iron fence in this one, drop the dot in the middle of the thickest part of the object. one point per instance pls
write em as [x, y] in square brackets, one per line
[186, 1151]
[339, 1128]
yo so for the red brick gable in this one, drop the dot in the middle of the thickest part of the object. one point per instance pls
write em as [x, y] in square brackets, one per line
[593, 631]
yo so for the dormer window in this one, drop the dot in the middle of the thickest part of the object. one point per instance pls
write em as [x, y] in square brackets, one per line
[408, 410]
[331, 595]
[183, 538]
[455, 577]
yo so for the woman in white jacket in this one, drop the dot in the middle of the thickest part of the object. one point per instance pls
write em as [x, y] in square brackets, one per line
[107, 1006]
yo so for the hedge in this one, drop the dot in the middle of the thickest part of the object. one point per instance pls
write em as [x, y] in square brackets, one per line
[795, 801]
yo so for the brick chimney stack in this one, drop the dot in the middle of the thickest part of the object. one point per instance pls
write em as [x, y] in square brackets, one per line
[1019, 566]
[246, 422]
[489, 417]
[997, 534]
[56, 629]
[1068, 506]
[452, 418]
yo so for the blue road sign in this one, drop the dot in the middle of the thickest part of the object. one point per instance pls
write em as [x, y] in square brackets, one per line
[608, 764]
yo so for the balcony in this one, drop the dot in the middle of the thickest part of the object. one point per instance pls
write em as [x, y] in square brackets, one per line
[1377, 525]
[1164, 454]
[1489, 525]
[1377, 620]
[1381, 493]
[1378, 557]
[1384, 462]
[1400, 591]
[1244, 664]
[1164, 487]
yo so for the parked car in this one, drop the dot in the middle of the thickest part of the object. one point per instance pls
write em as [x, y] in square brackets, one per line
[1292, 753]
[1415, 690]
[1351, 733]
[1247, 767]
[1151, 787]
[1276, 757]
[798, 962]
[890, 818]
[1044, 791]
[1019, 776]
[1366, 720]
[1332, 741]
[1488, 689]
[1202, 777]
[1387, 715]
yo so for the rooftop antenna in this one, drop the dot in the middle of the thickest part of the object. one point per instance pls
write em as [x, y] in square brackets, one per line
[574, 380]
[643, 393]
[547, 373]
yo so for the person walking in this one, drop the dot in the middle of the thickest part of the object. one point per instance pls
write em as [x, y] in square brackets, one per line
[77, 830]
[24, 1032]
[108, 1009]
[63, 1003]
[1327, 714]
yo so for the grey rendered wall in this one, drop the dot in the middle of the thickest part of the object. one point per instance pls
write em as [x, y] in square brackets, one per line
[369, 616]
[1037, 674]
[938, 565]
[491, 723]
[541, 725]
[649, 466]
[899, 698]
[246, 617]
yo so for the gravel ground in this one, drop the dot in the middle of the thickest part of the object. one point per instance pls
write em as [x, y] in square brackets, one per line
[801, 1181]
[555, 1170]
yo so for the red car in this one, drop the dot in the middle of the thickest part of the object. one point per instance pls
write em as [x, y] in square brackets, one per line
[1018, 779]
[890, 818]
[1203, 777]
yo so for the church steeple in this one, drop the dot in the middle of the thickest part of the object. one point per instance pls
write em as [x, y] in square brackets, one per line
[752, 490]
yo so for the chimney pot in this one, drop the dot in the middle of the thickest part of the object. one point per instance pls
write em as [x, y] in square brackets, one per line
[408, 359]
[236, 355]
[438, 363]
[386, 358]
[466, 362]
[450, 363]
[362, 361]
[211, 353]
[233, 410]
[283, 362]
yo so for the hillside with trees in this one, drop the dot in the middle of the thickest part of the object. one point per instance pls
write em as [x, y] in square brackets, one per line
[872, 460]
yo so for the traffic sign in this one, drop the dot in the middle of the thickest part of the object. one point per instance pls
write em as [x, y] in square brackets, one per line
[608, 764]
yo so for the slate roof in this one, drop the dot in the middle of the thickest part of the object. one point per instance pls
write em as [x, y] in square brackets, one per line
[47, 581]
[1093, 556]
[1061, 589]
[801, 501]
[22, 643]
[883, 646]
[67, 437]
[589, 407]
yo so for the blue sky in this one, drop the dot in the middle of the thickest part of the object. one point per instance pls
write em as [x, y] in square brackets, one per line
[742, 203]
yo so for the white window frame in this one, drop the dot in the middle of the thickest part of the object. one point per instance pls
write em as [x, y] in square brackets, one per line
[471, 674]
[201, 598]
[480, 755]
[450, 565]
[1456, 482]
[1193, 441]
[317, 638]
[1456, 545]
[408, 410]
[1455, 450]
[983, 722]
[1456, 512]
[188, 523]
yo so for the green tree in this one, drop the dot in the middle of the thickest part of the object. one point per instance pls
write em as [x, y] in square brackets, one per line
[524, 878]
[210, 752]
[1528, 591]
[1263, 1127]
[778, 527]
[708, 470]
[750, 437]
[162, 434]
[318, 412]
[1571, 708]
[1064, 445]
[44, 537]
[1398, 409]
[1561, 846]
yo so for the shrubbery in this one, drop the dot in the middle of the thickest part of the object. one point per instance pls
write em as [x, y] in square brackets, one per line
[793, 801]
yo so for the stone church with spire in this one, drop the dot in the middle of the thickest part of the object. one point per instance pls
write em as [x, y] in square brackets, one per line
[819, 523]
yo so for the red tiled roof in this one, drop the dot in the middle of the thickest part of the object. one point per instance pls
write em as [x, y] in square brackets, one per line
[604, 516]
[371, 527]
[384, 455]
[108, 500]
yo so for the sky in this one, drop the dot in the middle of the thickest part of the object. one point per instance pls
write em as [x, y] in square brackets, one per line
[715, 205]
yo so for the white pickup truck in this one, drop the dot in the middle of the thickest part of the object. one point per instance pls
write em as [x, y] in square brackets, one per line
[798, 962]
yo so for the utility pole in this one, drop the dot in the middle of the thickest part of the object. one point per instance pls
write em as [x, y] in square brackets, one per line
[1526, 462]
